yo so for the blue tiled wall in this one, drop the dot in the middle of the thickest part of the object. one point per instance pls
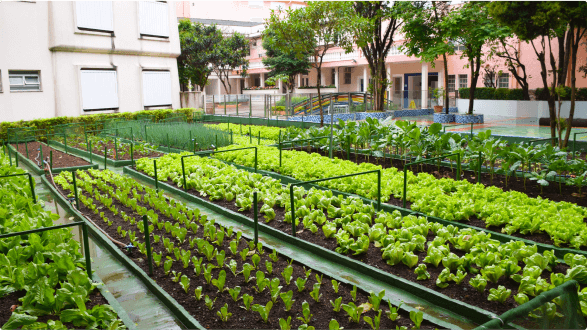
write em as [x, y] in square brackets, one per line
[444, 118]
[466, 119]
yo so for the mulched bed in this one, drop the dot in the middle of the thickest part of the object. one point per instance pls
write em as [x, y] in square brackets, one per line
[121, 156]
[241, 319]
[532, 189]
[463, 292]
[7, 302]
[60, 158]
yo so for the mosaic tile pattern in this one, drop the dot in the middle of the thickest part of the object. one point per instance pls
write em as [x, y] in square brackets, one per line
[343, 116]
[444, 118]
[466, 119]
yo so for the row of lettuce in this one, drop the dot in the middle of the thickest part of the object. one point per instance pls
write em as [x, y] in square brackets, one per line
[412, 241]
[46, 269]
[184, 239]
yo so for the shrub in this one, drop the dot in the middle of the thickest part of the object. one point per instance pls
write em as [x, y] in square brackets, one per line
[581, 94]
[488, 93]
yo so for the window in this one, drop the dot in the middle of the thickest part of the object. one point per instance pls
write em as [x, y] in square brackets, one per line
[154, 19]
[255, 4]
[451, 83]
[504, 81]
[156, 88]
[463, 83]
[333, 76]
[458, 47]
[24, 81]
[257, 82]
[99, 90]
[94, 15]
[347, 76]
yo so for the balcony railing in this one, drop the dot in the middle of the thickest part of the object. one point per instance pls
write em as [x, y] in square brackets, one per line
[256, 65]
[339, 56]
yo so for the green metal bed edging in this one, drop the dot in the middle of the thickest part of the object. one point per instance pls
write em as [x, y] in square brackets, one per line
[179, 312]
[32, 186]
[120, 311]
[95, 157]
[558, 251]
[569, 288]
[35, 168]
[470, 312]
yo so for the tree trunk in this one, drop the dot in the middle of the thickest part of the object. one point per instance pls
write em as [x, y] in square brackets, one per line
[446, 96]
[575, 40]
[475, 64]
[319, 71]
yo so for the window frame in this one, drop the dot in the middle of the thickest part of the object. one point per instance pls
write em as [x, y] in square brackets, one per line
[1, 90]
[348, 75]
[333, 76]
[153, 36]
[81, 96]
[466, 81]
[91, 30]
[24, 74]
[454, 83]
[506, 77]
[155, 106]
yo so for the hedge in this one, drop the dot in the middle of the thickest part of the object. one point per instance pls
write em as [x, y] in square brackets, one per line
[581, 94]
[488, 93]
[88, 119]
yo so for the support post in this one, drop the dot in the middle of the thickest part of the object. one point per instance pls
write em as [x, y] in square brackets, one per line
[51, 160]
[479, 176]
[87, 249]
[105, 157]
[293, 210]
[132, 156]
[26, 146]
[256, 218]
[148, 244]
[32, 188]
[75, 190]
[156, 179]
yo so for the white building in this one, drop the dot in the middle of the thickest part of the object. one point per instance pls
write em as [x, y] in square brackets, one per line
[76, 58]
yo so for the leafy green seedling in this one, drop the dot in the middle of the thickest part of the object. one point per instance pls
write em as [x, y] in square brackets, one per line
[375, 299]
[319, 278]
[208, 273]
[255, 259]
[315, 293]
[275, 289]
[260, 248]
[354, 293]
[262, 282]
[247, 268]
[458, 277]
[443, 278]
[269, 267]
[263, 310]
[198, 293]
[185, 283]
[393, 311]
[416, 317]
[223, 313]
[306, 313]
[336, 304]
[285, 324]
[234, 292]
[335, 285]
[374, 323]
[286, 273]
[301, 283]
[234, 246]
[333, 325]
[167, 266]
[244, 254]
[209, 302]
[287, 299]
[219, 283]
[493, 273]
[247, 300]
[521, 298]
[274, 255]
[220, 258]
[479, 283]
[354, 312]
[176, 276]
[232, 265]
[501, 294]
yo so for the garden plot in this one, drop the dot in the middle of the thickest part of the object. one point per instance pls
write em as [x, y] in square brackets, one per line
[495, 276]
[116, 149]
[213, 271]
[37, 151]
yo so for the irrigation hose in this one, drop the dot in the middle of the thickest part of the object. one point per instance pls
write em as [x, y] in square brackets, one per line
[48, 168]
[37, 158]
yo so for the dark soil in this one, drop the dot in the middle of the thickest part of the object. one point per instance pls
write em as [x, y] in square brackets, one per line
[121, 155]
[60, 158]
[532, 189]
[463, 292]
[241, 319]
[7, 302]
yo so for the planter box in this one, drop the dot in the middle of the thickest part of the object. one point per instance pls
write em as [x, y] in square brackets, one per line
[509, 108]
[444, 118]
[468, 119]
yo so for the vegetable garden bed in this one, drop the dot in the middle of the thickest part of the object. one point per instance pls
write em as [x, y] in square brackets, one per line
[61, 161]
[217, 255]
[354, 236]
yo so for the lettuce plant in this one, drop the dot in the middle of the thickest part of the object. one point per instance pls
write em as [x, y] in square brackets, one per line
[410, 259]
[247, 300]
[417, 317]
[286, 273]
[478, 282]
[493, 273]
[501, 294]
[247, 268]
[287, 299]
[198, 293]
[443, 278]
[263, 310]
[422, 272]
[301, 283]
[375, 299]
[375, 321]
[275, 288]
[285, 324]
[219, 283]
[234, 292]
[353, 311]
[307, 316]
[315, 293]
[335, 285]
[185, 283]
[223, 313]
[336, 304]
[209, 302]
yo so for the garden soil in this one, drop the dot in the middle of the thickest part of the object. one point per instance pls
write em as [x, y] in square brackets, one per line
[60, 158]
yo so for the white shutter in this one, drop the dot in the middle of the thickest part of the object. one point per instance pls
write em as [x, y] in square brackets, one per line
[99, 89]
[156, 88]
[154, 18]
[94, 15]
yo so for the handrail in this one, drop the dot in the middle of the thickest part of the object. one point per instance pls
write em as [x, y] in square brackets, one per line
[303, 140]
[291, 192]
[575, 141]
[30, 183]
[543, 139]
[427, 160]
[211, 152]
[77, 223]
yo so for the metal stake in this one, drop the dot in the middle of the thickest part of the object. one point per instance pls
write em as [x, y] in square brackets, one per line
[148, 244]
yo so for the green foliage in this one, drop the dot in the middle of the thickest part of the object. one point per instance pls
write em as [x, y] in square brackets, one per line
[422, 272]
[501, 294]
[287, 299]
[263, 310]
[301, 283]
[489, 93]
[354, 312]
[223, 313]
[307, 316]
[315, 293]
[336, 304]
[417, 317]
[247, 300]
[234, 292]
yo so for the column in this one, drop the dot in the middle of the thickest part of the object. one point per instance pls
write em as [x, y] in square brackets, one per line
[262, 79]
[441, 84]
[322, 74]
[299, 80]
[390, 80]
[219, 84]
[247, 82]
[279, 85]
[424, 86]
[336, 83]
[365, 79]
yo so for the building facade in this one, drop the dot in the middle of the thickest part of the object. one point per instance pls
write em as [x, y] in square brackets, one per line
[410, 79]
[86, 57]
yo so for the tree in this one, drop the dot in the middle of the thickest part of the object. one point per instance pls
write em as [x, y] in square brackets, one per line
[318, 27]
[471, 27]
[539, 23]
[425, 35]
[505, 46]
[373, 25]
[230, 55]
[198, 44]
[284, 62]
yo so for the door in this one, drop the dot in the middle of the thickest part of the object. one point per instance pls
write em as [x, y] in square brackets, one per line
[397, 90]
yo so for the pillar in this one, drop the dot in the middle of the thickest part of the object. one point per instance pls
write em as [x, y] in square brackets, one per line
[336, 83]
[247, 82]
[424, 86]
[365, 79]
[322, 75]
[299, 80]
[219, 84]
[280, 85]
[390, 80]
[262, 79]
[441, 84]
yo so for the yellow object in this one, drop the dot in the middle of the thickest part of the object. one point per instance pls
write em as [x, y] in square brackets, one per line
[412, 105]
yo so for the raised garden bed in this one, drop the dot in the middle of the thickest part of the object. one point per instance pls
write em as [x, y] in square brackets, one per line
[61, 161]
[106, 182]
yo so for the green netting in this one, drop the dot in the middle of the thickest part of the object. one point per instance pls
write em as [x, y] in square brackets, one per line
[558, 308]
[24, 134]
[175, 119]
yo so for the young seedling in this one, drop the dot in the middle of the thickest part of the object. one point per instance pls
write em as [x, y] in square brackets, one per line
[285, 324]
[247, 300]
[167, 266]
[315, 293]
[286, 273]
[306, 313]
[479, 283]
[393, 311]
[335, 285]
[274, 255]
[185, 283]
[354, 293]
[176, 276]
[287, 299]
[307, 272]
[247, 268]
[422, 272]
[333, 325]
[354, 312]
[198, 293]
[501, 294]
[209, 302]
[234, 246]
[208, 273]
[375, 299]
[416, 317]
[336, 304]
[275, 289]
[269, 267]
[301, 283]
[219, 283]
[234, 292]
[244, 254]
[262, 282]
[263, 310]
[255, 259]
[220, 258]
[232, 266]
[374, 323]
[223, 313]
[319, 278]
